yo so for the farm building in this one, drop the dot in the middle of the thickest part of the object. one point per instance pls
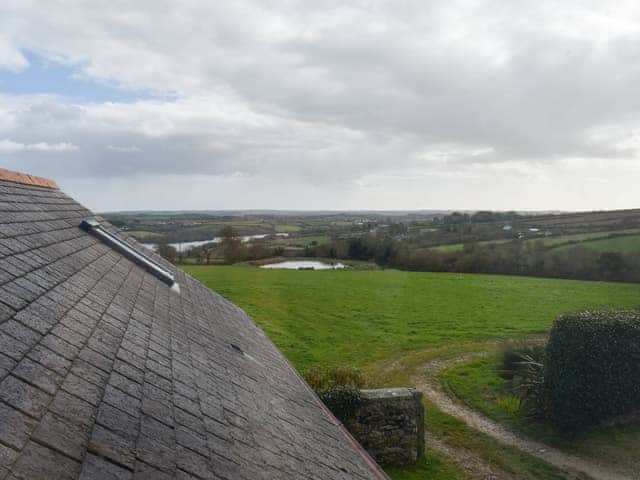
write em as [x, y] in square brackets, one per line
[116, 365]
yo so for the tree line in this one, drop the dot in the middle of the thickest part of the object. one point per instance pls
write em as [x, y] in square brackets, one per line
[528, 258]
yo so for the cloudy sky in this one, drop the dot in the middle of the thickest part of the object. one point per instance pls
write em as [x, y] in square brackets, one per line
[325, 105]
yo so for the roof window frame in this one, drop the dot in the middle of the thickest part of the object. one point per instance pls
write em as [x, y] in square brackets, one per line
[95, 228]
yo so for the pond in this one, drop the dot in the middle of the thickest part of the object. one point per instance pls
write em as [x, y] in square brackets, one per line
[304, 265]
[184, 246]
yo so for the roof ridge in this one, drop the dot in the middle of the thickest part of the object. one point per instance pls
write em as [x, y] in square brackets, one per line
[26, 179]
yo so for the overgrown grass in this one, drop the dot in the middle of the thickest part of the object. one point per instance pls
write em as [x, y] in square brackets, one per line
[478, 383]
[432, 467]
[458, 435]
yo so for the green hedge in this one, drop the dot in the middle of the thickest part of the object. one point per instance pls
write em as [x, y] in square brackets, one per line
[343, 401]
[592, 367]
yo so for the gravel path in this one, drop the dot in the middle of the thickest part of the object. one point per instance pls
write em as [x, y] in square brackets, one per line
[426, 379]
[474, 467]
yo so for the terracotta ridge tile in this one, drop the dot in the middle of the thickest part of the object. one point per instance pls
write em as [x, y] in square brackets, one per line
[26, 179]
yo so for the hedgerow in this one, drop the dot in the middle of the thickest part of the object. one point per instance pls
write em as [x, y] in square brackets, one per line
[338, 388]
[343, 401]
[592, 368]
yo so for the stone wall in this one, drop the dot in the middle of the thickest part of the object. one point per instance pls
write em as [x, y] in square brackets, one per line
[390, 425]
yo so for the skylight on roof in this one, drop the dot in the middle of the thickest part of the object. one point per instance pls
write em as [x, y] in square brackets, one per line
[94, 227]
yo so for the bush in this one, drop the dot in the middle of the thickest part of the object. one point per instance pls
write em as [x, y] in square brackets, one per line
[323, 378]
[338, 388]
[342, 400]
[515, 354]
[523, 364]
[531, 388]
[592, 368]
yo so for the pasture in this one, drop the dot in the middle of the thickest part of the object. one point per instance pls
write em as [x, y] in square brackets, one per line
[388, 322]
[359, 317]
[623, 244]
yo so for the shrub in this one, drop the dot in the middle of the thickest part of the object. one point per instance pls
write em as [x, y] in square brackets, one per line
[510, 403]
[515, 354]
[592, 367]
[338, 388]
[323, 378]
[342, 400]
[522, 364]
[531, 388]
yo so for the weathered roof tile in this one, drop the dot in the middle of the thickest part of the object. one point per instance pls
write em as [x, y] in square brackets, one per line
[106, 373]
[38, 461]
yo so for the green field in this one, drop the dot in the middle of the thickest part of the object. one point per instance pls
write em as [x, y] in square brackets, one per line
[455, 247]
[625, 244]
[284, 228]
[141, 234]
[373, 319]
[304, 241]
[358, 317]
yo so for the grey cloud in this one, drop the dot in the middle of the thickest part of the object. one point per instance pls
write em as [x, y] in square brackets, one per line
[327, 93]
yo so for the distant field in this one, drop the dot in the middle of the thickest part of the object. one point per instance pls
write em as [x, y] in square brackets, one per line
[141, 234]
[451, 247]
[454, 247]
[626, 244]
[358, 317]
[568, 241]
[319, 239]
[287, 228]
[581, 237]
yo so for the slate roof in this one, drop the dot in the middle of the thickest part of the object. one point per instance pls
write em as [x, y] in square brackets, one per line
[105, 373]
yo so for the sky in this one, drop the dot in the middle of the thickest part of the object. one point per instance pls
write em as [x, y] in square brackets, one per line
[376, 105]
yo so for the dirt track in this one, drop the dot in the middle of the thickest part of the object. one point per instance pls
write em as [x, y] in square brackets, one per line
[426, 379]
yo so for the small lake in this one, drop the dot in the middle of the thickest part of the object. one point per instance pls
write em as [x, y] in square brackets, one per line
[184, 246]
[304, 265]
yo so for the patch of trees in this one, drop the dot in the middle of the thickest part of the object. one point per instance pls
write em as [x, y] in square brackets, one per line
[231, 249]
[512, 258]
[477, 217]
[525, 258]
[381, 250]
[168, 252]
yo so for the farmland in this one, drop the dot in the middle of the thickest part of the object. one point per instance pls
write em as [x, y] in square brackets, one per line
[386, 318]
[374, 319]
[624, 244]
[525, 243]
[312, 316]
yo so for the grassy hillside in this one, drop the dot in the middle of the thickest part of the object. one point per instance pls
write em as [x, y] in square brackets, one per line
[626, 244]
[358, 317]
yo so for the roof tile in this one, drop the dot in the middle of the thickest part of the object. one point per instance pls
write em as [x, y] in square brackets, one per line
[106, 373]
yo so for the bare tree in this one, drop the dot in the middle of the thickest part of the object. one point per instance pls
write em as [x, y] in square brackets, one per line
[232, 247]
[168, 252]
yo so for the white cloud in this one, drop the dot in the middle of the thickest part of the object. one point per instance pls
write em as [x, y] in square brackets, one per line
[124, 149]
[11, 58]
[9, 146]
[332, 96]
